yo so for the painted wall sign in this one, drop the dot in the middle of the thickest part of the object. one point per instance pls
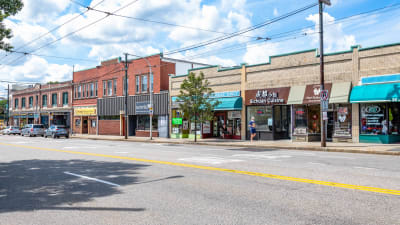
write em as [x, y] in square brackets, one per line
[313, 93]
[142, 108]
[270, 96]
[176, 121]
[85, 111]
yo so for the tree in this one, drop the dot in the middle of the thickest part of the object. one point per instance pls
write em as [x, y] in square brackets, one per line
[195, 100]
[7, 8]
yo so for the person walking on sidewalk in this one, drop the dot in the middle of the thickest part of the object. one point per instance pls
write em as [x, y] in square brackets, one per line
[252, 125]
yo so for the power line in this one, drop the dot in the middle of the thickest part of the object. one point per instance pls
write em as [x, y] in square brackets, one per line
[218, 39]
[69, 34]
[51, 56]
[52, 30]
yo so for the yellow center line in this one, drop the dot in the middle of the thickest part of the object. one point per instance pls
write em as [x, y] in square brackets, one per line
[272, 176]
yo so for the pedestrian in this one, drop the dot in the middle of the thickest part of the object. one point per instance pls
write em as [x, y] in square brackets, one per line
[252, 126]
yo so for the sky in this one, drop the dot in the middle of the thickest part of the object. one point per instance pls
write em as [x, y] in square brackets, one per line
[80, 46]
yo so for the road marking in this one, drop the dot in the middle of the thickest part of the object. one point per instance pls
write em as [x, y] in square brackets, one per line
[91, 178]
[210, 160]
[122, 152]
[316, 163]
[272, 176]
[72, 147]
[367, 168]
[261, 156]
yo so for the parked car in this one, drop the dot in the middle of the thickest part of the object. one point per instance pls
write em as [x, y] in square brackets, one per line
[33, 130]
[11, 130]
[56, 131]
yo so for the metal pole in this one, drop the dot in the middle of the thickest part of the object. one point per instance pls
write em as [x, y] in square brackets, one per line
[321, 55]
[8, 104]
[126, 95]
[151, 100]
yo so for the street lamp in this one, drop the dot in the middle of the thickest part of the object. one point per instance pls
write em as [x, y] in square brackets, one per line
[150, 106]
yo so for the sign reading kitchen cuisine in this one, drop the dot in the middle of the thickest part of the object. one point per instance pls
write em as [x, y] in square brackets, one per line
[270, 96]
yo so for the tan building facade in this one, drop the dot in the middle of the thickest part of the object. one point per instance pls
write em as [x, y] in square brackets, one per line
[299, 71]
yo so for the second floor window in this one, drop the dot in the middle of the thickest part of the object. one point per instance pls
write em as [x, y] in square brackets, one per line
[91, 90]
[65, 98]
[16, 103]
[144, 83]
[115, 86]
[127, 87]
[23, 103]
[96, 89]
[31, 102]
[79, 91]
[151, 82]
[54, 99]
[44, 100]
[109, 87]
[104, 88]
[87, 90]
[137, 84]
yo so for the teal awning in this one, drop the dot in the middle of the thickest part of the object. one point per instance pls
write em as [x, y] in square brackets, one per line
[233, 103]
[389, 92]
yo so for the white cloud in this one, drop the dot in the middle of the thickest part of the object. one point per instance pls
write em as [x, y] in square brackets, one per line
[260, 53]
[104, 52]
[275, 12]
[36, 69]
[41, 11]
[335, 38]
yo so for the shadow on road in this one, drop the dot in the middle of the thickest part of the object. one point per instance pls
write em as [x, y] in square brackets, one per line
[42, 184]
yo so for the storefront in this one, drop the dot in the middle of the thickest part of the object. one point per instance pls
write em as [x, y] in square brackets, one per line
[306, 112]
[85, 120]
[226, 122]
[270, 111]
[379, 112]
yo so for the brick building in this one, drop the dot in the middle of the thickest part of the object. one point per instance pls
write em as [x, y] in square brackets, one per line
[48, 104]
[99, 96]
[283, 96]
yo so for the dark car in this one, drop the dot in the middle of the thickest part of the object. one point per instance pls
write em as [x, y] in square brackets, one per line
[56, 131]
[33, 130]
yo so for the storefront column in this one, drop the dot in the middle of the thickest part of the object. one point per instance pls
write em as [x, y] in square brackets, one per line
[243, 94]
[355, 130]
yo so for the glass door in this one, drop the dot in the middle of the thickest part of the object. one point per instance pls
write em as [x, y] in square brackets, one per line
[281, 119]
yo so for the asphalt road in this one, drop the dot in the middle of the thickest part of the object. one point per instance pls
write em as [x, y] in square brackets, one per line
[71, 181]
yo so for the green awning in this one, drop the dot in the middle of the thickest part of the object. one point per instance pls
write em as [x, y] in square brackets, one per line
[340, 92]
[389, 92]
[296, 95]
[233, 103]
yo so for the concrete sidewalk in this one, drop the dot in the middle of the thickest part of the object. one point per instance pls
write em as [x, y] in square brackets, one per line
[384, 149]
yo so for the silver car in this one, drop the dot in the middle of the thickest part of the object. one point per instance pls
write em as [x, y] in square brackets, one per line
[33, 130]
[11, 130]
[56, 131]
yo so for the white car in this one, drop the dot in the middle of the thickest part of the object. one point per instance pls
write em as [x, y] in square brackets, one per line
[11, 130]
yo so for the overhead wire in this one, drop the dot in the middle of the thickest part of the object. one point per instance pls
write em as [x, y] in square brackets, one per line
[71, 33]
[51, 31]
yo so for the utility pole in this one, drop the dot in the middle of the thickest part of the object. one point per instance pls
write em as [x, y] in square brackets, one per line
[322, 78]
[126, 95]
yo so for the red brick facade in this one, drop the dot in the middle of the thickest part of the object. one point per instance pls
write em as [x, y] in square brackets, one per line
[109, 127]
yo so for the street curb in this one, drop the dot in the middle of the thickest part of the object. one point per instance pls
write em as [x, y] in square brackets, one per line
[311, 148]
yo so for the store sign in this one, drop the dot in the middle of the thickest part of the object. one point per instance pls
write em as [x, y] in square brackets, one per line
[234, 114]
[270, 96]
[313, 93]
[176, 121]
[85, 111]
[225, 94]
[142, 108]
[372, 109]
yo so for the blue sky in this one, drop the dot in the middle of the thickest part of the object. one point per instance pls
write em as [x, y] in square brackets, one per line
[114, 35]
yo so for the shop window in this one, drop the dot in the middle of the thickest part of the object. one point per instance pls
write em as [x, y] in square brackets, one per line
[77, 122]
[109, 117]
[314, 120]
[373, 119]
[300, 120]
[342, 120]
[143, 123]
[93, 123]
[394, 118]
[262, 117]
